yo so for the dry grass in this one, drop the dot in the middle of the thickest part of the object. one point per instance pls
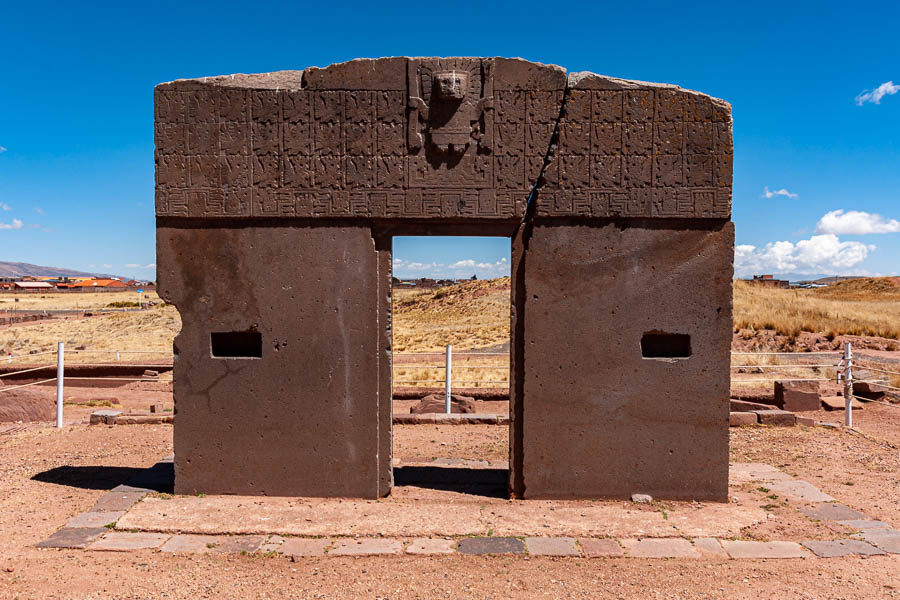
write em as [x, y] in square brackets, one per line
[474, 314]
[149, 330]
[867, 307]
[69, 300]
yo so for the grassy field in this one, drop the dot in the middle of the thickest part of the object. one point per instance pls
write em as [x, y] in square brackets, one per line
[69, 300]
[91, 339]
[867, 307]
[469, 315]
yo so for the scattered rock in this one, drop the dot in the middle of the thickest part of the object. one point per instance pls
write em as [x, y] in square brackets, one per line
[797, 396]
[777, 417]
[434, 403]
[837, 403]
[866, 390]
[745, 406]
[742, 419]
[642, 498]
[149, 373]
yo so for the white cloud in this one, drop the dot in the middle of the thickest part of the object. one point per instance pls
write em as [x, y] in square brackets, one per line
[820, 253]
[107, 266]
[16, 224]
[138, 266]
[417, 266]
[39, 210]
[463, 264]
[856, 222]
[767, 193]
[5, 206]
[874, 96]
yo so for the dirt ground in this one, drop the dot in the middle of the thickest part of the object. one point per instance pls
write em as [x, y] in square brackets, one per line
[48, 476]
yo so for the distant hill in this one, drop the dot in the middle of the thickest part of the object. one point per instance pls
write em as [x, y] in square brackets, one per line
[13, 269]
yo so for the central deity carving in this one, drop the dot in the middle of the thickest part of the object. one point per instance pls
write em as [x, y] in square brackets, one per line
[450, 106]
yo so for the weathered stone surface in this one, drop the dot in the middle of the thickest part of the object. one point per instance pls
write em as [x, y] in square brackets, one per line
[366, 547]
[742, 472]
[677, 453]
[306, 313]
[73, 537]
[304, 546]
[594, 548]
[780, 418]
[806, 421]
[214, 544]
[95, 519]
[841, 548]
[799, 490]
[710, 547]
[116, 501]
[104, 417]
[831, 511]
[438, 138]
[797, 396]
[490, 545]
[867, 390]
[865, 524]
[294, 183]
[551, 546]
[745, 406]
[431, 546]
[660, 548]
[742, 549]
[886, 539]
[838, 403]
[435, 403]
[742, 419]
[119, 541]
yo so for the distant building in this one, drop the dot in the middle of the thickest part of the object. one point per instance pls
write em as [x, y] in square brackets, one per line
[32, 286]
[770, 281]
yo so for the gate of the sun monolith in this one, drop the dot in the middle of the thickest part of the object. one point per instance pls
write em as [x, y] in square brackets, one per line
[277, 196]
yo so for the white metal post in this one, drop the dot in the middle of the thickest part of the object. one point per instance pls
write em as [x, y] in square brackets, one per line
[448, 377]
[848, 385]
[60, 361]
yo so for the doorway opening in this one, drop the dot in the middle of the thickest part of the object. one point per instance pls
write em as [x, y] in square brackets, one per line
[451, 308]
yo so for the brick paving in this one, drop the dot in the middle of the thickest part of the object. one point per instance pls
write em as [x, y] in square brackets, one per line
[831, 511]
[491, 545]
[73, 537]
[551, 546]
[710, 547]
[304, 547]
[660, 548]
[95, 519]
[90, 531]
[431, 546]
[366, 547]
[594, 548]
[886, 539]
[741, 549]
[119, 541]
[842, 548]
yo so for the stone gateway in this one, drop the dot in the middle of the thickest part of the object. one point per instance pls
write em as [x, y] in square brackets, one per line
[277, 197]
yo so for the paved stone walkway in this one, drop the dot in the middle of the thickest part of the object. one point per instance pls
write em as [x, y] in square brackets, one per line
[96, 530]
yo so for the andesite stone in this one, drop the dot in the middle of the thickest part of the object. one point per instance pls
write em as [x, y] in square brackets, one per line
[294, 184]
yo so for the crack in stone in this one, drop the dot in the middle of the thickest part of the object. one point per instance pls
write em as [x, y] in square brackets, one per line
[549, 156]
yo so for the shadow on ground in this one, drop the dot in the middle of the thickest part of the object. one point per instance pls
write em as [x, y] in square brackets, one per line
[158, 478]
[479, 482]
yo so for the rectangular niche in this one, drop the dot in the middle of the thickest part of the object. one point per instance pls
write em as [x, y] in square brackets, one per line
[236, 344]
[659, 344]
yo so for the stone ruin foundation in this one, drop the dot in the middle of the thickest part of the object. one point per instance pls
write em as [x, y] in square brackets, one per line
[277, 196]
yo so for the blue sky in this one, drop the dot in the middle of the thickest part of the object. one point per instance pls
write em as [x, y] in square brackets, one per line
[76, 132]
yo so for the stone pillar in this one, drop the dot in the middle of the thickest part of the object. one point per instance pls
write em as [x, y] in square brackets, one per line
[280, 367]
